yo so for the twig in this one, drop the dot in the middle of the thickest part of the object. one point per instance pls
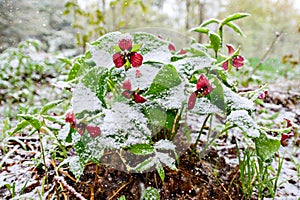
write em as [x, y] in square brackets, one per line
[68, 187]
[95, 183]
[216, 178]
[115, 193]
[8, 155]
[61, 185]
[265, 56]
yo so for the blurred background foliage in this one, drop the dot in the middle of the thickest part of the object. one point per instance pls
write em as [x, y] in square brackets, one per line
[71, 23]
[61, 29]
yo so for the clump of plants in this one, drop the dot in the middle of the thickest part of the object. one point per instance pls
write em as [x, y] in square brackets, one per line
[132, 98]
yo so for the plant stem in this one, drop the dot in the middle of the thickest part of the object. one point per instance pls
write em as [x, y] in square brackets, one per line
[43, 154]
[216, 136]
[200, 133]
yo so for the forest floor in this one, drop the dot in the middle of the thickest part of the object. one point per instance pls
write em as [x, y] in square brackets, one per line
[213, 175]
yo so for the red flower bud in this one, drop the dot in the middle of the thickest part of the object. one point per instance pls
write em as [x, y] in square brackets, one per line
[238, 61]
[171, 47]
[192, 101]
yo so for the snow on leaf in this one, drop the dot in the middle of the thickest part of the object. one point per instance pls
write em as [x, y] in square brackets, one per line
[148, 73]
[76, 166]
[173, 98]
[242, 119]
[166, 159]
[153, 49]
[84, 99]
[164, 145]
[236, 102]
[145, 165]
[102, 49]
[150, 193]
[165, 79]
[124, 123]
[203, 106]
[189, 65]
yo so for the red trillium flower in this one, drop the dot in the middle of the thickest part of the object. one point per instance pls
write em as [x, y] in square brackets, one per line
[285, 136]
[203, 89]
[129, 94]
[126, 56]
[70, 118]
[237, 61]
[94, 131]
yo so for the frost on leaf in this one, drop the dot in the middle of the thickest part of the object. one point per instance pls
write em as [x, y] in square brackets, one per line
[242, 119]
[236, 102]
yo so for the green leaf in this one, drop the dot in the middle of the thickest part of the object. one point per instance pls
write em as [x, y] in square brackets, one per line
[20, 126]
[122, 197]
[209, 21]
[74, 71]
[54, 119]
[49, 106]
[142, 149]
[236, 28]
[88, 55]
[165, 79]
[66, 12]
[157, 116]
[215, 41]
[136, 47]
[150, 193]
[101, 90]
[233, 17]
[35, 123]
[266, 146]
[145, 165]
[116, 48]
[201, 30]
[171, 116]
[160, 171]
[217, 94]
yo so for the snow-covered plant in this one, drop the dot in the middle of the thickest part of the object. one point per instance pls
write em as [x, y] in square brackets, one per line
[133, 94]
